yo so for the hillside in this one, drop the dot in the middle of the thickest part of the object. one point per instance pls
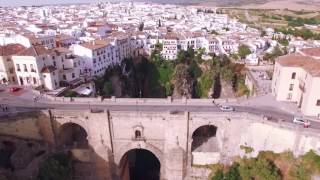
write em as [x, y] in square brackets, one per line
[266, 4]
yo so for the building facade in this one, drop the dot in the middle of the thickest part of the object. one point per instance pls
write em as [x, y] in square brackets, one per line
[296, 78]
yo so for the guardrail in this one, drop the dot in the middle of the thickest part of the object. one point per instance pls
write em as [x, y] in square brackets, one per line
[137, 101]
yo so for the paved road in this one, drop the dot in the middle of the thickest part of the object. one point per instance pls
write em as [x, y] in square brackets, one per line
[22, 104]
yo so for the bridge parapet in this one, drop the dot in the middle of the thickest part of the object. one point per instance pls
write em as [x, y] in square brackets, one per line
[138, 101]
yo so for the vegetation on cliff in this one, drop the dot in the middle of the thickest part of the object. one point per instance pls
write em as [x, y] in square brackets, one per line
[270, 166]
[189, 75]
[57, 166]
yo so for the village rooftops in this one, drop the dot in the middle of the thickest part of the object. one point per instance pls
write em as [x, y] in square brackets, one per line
[96, 44]
[313, 52]
[34, 51]
[11, 49]
[309, 64]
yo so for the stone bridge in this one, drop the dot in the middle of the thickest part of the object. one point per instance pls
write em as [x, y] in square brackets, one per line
[168, 143]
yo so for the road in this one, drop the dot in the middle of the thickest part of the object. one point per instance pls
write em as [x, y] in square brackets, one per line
[22, 104]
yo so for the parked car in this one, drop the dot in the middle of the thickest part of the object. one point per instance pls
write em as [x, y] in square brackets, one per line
[15, 89]
[301, 121]
[227, 108]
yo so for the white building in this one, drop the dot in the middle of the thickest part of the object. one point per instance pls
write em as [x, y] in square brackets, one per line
[7, 70]
[296, 78]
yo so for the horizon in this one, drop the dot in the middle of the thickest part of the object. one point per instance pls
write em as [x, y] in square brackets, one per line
[16, 3]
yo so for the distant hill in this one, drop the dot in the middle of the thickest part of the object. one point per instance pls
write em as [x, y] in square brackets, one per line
[260, 4]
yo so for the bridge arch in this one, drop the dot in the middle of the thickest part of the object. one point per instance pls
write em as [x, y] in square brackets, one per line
[120, 152]
[72, 135]
[139, 164]
[204, 138]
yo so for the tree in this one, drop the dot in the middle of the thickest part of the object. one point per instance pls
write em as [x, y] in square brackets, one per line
[231, 174]
[141, 26]
[107, 88]
[57, 166]
[243, 51]
[218, 175]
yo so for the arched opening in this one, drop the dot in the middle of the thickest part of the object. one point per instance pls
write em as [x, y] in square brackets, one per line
[204, 139]
[72, 135]
[139, 164]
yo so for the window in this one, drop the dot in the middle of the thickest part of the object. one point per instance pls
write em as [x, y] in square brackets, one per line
[18, 67]
[73, 75]
[137, 134]
[34, 80]
[28, 80]
[25, 68]
[318, 102]
[64, 77]
[32, 69]
[289, 97]
[293, 75]
[291, 87]
[54, 63]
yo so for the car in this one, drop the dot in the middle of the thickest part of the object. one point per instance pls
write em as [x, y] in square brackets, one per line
[15, 89]
[301, 121]
[227, 108]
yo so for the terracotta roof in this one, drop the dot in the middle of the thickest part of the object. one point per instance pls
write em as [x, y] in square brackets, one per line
[11, 49]
[62, 37]
[48, 69]
[309, 64]
[34, 51]
[96, 44]
[311, 52]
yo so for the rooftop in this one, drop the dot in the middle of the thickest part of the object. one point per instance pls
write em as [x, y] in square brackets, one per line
[34, 51]
[48, 69]
[315, 52]
[96, 44]
[309, 64]
[11, 49]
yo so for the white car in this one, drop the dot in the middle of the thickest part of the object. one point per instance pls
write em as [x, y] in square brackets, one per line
[227, 108]
[301, 121]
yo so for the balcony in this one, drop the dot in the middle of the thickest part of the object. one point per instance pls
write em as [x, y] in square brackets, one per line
[33, 70]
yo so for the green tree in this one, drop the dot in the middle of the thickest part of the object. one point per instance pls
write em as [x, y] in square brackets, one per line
[107, 88]
[141, 26]
[243, 51]
[218, 175]
[57, 166]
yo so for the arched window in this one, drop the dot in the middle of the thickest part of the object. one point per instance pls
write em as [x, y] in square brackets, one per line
[137, 134]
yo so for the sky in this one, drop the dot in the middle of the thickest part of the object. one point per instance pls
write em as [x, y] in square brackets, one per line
[40, 2]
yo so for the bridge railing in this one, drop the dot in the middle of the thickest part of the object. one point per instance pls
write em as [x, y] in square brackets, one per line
[137, 101]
